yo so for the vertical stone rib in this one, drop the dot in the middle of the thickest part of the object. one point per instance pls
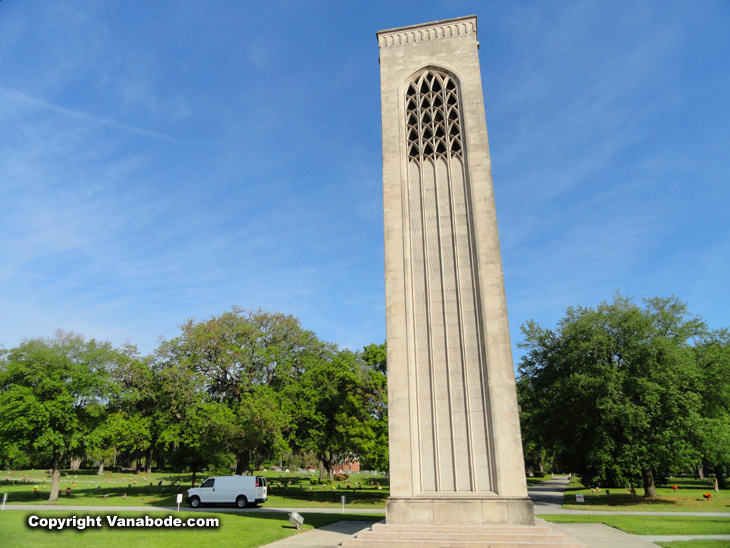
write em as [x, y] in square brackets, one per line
[444, 402]
[462, 440]
[420, 318]
[434, 306]
[474, 347]
[452, 412]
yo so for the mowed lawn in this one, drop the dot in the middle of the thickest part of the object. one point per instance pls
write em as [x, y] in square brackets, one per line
[652, 525]
[240, 530]
[362, 491]
[688, 497]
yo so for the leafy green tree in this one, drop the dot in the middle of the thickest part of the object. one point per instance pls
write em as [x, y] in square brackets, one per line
[712, 435]
[52, 395]
[100, 443]
[260, 425]
[535, 446]
[245, 360]
[203, 434]
[13, 455]
[614, 389]
[145, 406]
[336, 413]
[375, 359]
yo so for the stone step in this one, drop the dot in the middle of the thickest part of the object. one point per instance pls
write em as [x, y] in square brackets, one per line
[408, 535]
[498, 529]
[446, 543]
[382, 535]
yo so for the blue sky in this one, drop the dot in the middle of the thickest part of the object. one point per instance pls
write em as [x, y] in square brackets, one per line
[170, 159]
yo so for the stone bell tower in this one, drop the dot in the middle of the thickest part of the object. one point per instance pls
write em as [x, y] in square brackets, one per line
[455, 446]
[457, 474]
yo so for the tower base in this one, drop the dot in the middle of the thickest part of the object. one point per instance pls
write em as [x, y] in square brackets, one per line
[459, 511]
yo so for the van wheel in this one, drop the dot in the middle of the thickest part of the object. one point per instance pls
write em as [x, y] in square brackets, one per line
[241, 502]
[194, 502]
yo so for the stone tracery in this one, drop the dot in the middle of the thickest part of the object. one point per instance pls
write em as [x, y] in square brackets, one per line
[432, 117]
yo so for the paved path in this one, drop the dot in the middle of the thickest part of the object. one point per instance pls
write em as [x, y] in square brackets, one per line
[548, 494]
[599, 535]
[672, 538]
[324, 537]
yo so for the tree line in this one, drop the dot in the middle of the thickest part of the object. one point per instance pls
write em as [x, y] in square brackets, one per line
[227, 394]
[627, 394]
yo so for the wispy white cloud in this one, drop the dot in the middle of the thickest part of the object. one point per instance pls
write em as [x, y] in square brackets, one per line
[50, 279]
[18, 97]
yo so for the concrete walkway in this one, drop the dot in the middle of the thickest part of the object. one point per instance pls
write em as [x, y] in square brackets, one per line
[324, 537]
[672, 538]
[598, 535]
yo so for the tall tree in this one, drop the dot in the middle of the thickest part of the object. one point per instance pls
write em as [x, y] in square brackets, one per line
[375, 358]
[337, 409]
[246, 359]
[614, 389]
[149, 392]
[712, 435]
[534, 445]
[52, 395]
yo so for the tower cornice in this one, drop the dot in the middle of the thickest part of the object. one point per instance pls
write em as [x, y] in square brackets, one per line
[448, 28]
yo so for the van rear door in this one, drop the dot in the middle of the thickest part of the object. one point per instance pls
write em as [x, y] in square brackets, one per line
[261, 489]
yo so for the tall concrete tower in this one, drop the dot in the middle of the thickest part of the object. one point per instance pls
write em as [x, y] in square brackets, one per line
[457, 475]
[455, 447]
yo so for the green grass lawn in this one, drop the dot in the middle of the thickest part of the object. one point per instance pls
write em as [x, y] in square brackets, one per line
[686, 498]
[537, 481]
[653, 525]
[241, 530]
[160, 489]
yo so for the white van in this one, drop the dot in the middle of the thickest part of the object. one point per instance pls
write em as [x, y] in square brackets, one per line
[238, 490]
